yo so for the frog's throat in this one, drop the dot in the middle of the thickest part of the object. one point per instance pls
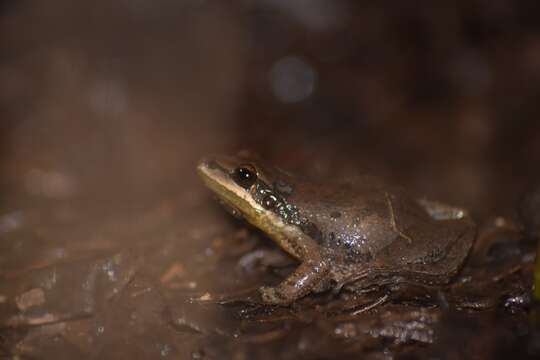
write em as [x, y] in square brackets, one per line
[254, 213]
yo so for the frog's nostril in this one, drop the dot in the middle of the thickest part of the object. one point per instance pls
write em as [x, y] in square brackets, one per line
[211, 164]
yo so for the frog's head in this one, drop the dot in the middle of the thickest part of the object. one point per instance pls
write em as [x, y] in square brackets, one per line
[258, 193]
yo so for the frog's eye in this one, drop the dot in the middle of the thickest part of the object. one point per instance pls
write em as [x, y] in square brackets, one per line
[269, 201]
[245, 176]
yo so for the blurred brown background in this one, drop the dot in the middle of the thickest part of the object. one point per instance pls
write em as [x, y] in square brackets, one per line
[121, 98]
[108, 105]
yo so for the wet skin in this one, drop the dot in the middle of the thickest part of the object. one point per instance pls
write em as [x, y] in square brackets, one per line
[357, 234]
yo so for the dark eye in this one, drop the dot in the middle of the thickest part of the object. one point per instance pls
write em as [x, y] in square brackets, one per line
[269, 201]
[245, 176]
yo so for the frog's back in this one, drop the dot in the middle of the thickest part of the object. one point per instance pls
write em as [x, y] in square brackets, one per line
[357, 220]
[371, 231]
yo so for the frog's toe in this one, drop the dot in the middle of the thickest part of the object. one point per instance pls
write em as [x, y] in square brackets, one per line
[271, 295]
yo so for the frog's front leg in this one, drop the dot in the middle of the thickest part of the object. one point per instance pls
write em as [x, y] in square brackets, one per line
[308, 275]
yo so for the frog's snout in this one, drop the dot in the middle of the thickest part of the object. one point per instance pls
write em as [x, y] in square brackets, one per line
[202, 167]
[210, 169]
[210, 163]
[204, 164]
[207, 166]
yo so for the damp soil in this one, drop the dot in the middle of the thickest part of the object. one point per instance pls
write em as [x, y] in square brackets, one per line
[194, 295]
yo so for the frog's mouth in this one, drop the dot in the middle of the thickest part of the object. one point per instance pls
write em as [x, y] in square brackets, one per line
[235, 198]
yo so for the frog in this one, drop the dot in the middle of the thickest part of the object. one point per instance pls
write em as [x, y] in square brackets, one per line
[352, 234]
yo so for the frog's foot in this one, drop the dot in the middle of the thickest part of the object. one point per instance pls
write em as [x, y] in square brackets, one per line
[306, 277]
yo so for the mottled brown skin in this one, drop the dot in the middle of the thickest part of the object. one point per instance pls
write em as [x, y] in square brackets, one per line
[357, 234]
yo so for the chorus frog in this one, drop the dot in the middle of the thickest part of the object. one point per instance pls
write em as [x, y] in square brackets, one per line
[358, 234]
